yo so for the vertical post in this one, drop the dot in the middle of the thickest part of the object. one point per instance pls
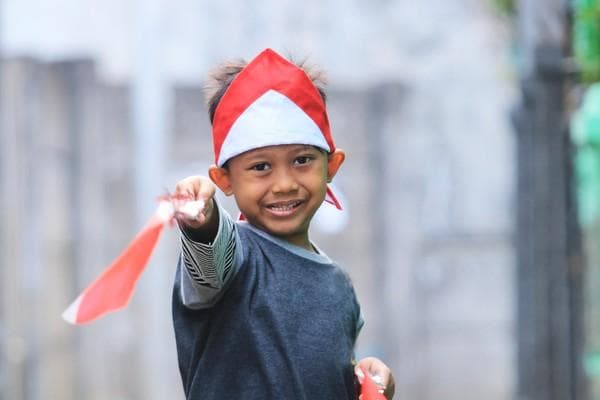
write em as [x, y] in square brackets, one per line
[548, 278]
[12, 343]
[149, 105]
[4, 376]
[148, 97]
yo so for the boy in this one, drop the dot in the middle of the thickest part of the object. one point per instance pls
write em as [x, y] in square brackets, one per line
[259, 311]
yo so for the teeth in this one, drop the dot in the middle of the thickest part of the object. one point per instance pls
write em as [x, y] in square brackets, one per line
[287, 207]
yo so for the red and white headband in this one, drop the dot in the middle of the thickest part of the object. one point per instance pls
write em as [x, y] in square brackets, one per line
[270, 102]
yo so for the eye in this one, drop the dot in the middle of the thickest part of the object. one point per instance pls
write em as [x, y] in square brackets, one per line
[263, 166]
[303, 160]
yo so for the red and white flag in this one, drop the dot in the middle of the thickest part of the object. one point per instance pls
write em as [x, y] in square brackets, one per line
[112, 290]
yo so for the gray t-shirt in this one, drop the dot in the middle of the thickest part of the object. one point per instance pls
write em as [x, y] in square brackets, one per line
[258, 318]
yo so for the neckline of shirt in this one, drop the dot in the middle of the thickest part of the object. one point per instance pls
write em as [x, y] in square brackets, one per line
[319, 257]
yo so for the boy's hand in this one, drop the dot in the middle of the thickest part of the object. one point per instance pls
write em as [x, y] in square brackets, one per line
[198, 188]
[381, 374]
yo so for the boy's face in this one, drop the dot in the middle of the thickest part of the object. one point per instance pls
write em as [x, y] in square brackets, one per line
[279, 188]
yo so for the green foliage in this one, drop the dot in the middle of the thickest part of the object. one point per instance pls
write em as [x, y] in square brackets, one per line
[591, 363]
[505, 7]
[585, 131]
[586, 38]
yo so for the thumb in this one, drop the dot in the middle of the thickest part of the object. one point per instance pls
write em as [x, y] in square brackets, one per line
[358, 371]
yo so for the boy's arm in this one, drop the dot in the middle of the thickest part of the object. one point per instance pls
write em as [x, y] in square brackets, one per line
[209, 254]
[208, 267]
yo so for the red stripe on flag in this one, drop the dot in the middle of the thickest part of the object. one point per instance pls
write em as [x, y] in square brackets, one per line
[113, 289]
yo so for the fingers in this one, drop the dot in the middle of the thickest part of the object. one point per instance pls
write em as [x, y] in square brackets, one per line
[196, 188]
[379, 372]
[198, 192]
[376, 368]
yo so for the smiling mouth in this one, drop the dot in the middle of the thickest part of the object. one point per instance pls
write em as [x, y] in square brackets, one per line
[284, 209]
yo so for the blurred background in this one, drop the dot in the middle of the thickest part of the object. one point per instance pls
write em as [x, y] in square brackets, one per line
[471, 189]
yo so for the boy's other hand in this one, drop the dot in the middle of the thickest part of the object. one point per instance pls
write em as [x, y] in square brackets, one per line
[197, 188]
[381, 374]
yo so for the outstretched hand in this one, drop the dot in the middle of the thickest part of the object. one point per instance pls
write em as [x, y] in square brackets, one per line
[202, 224]
[380, 373]
[196, 188]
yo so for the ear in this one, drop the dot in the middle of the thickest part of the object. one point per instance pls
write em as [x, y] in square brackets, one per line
[220, 177]
[334, 162]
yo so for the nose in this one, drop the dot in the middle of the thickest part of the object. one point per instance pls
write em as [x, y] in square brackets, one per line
[284, 183]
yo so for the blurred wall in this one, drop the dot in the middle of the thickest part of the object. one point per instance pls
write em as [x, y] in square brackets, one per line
[419, 100]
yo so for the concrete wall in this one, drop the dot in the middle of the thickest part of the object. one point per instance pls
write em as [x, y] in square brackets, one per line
[428, 187]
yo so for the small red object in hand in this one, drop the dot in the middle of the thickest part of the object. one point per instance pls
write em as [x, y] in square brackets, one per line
[368, 389]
